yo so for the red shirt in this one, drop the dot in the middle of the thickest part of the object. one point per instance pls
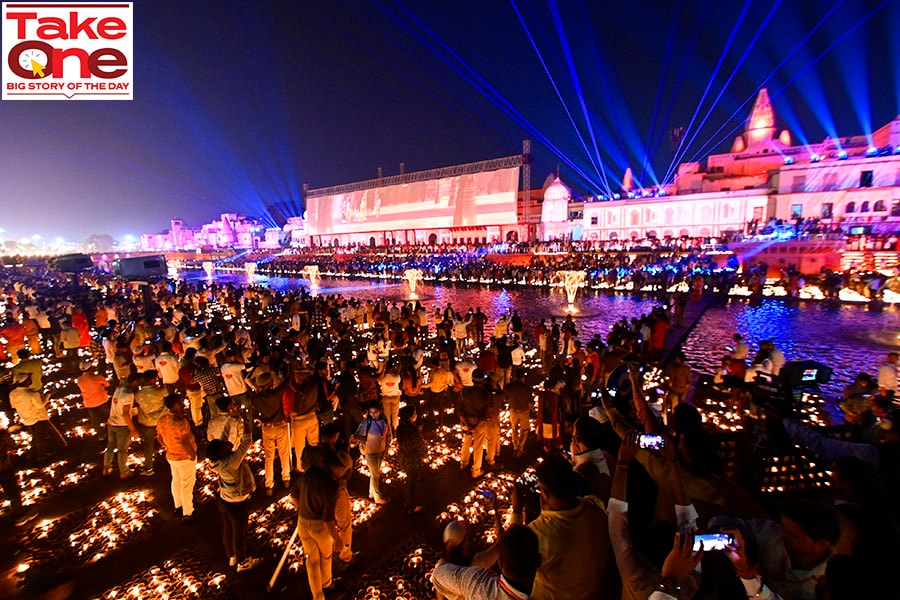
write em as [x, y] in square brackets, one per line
[288, 399]
[487, 362]
[14, 334]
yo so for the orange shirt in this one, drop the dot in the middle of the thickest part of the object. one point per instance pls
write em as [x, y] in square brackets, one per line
[175, 436]
[93, 389]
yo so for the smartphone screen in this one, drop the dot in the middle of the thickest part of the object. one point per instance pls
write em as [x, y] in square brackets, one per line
[712, 541]
[651, 442]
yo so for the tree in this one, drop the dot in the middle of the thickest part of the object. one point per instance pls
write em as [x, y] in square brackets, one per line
[99, 242]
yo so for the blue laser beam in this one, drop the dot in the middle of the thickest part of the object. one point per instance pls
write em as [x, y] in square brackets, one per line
[851, 61]
[599, 169]
[762, 85]
[722, 55]
[462, 68]
[561, 32]
[813, 63]
[667, 63]
[734, 71]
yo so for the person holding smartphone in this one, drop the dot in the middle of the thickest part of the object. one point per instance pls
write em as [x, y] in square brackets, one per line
[374, 438]
[236, 486]
[792, 553]
[678, 576]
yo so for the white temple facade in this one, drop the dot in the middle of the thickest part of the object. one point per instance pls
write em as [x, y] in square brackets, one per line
[555, 222]
[851, 183]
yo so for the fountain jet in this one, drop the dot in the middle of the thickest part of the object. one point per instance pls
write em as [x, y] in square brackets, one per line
[311, 272]
[571, 281]
[412, 277]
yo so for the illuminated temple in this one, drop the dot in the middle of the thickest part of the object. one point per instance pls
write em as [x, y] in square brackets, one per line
[851, 183]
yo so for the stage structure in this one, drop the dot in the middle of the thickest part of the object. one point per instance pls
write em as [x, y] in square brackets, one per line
[471, 203]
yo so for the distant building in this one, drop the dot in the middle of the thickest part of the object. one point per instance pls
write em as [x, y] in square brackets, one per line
[296, 231]
[555, 222]
[852, 183]
[230, 230]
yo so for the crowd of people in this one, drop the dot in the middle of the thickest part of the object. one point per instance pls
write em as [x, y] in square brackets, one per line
[652, 272]
[641, 268]
[625, 490]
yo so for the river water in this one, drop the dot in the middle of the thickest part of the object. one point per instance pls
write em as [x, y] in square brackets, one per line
[850, 339]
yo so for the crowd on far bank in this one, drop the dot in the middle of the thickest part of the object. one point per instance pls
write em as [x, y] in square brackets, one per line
[643, 271]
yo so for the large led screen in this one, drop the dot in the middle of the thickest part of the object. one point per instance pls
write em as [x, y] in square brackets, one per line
[476, 199]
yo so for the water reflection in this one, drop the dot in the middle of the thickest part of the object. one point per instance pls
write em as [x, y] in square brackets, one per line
[599, 312]
[850, 339]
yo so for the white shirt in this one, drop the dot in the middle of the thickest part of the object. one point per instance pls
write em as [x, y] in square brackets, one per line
[167, 367]
[372, 352]
[518, 355]
[43, 320]
[464, 370]
[144, 363]
[419, 357]
[225, 427]
[644, 332]
[777, 358]
[70, 338]
[390, 385]
[122, 400]
[109, 349]
[887, 376]
[460, 328]
[29, 405]
[233, 374]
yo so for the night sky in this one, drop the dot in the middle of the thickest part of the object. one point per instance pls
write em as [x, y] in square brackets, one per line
[238, 103]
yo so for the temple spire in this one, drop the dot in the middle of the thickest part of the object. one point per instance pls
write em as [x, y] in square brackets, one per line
[761, 124]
